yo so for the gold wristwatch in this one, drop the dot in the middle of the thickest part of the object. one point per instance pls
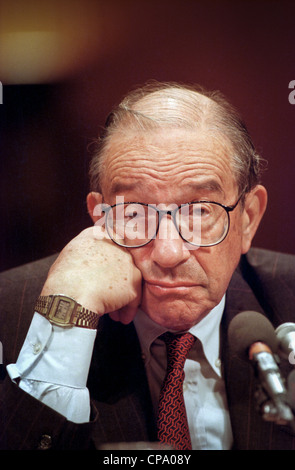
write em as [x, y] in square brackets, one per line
[66, 312]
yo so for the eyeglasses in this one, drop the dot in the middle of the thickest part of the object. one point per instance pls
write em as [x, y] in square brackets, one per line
[135, 224]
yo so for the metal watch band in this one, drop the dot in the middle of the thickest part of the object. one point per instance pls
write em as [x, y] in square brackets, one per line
[62, 310]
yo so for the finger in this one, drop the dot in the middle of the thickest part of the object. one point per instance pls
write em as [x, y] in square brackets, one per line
[124, 315]
[127, 313]
[115, 315]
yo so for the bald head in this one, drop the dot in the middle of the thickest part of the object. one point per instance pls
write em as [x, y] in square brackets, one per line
[159, 106]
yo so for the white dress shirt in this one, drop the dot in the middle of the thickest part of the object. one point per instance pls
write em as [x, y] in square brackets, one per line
[48, 372]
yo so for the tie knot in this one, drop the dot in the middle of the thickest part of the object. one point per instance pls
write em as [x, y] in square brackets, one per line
[178, 347]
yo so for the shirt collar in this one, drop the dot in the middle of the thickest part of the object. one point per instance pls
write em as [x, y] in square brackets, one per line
[207, 331]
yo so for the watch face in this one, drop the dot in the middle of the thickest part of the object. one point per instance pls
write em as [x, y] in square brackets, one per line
[62, 310]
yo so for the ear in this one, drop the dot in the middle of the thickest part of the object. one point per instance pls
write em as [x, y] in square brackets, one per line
[255, 205]
[93, 199]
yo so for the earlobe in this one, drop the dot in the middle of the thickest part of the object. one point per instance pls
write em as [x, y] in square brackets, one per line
[93, 199]
[255, 205]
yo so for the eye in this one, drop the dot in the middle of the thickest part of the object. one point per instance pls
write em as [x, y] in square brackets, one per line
[204, 210]
[201, 210]
[132, 211]
[130, 214]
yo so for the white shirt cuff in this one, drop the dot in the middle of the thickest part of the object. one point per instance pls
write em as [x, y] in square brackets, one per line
[54, 354]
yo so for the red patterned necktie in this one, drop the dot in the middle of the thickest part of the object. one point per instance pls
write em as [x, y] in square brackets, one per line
[172, 421]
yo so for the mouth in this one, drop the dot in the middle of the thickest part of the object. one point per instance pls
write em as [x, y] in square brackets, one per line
[169, 288]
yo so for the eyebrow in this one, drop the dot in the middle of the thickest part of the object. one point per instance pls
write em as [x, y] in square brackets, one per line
[121, 187]
[210, 185]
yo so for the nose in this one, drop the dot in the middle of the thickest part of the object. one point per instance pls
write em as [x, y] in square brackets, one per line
[168, 248]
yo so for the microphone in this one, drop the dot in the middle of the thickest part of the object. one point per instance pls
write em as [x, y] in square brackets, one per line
[286, 338]
[291, 389]
[252, 337]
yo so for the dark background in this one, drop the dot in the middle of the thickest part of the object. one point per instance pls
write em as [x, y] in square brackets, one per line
[52, 113]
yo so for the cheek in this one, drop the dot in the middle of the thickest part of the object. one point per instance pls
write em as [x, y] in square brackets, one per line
[234, 239]
[220, 261]
[140, 256]
[229, 255]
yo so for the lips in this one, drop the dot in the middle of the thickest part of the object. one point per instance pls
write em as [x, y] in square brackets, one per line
[164, 288]
[169, 285]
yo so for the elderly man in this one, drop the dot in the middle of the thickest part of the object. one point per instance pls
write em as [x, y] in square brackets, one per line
[176, 200]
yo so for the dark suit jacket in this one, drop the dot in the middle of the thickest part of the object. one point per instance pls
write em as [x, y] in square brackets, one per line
[121, 407]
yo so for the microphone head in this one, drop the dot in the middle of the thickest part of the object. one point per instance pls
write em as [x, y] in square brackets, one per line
[248, 328]
[286, 338]
[284, 329]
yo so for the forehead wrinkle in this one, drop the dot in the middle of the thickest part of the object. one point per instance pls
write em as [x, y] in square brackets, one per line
[160, 158]
[199, 188]
[167, 164]
[203, 179]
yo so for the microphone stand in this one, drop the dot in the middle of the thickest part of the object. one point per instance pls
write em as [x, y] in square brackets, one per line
[280, 408]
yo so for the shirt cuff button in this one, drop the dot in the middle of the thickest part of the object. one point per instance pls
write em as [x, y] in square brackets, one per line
[37, 348]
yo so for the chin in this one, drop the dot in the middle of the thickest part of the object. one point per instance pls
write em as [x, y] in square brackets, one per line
[176, 317]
